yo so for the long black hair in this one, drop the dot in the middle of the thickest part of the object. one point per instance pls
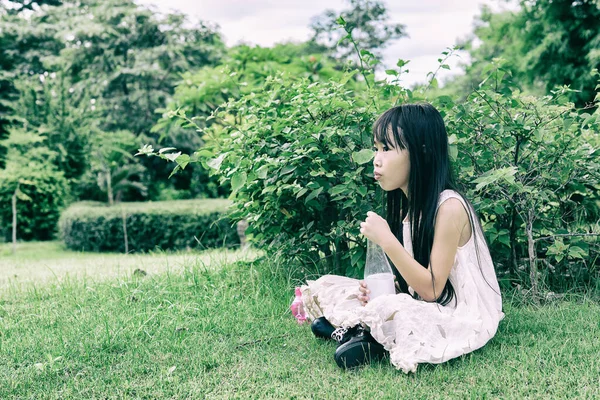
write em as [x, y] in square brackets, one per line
[420, 129]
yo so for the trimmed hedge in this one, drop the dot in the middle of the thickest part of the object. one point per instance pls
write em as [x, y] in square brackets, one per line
[164, 225]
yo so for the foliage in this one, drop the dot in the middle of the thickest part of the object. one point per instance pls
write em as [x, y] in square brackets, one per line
[72, 68]
[47, 106]
[289, 166]
[298, 169]
[296, 154]
[367, 22]
[547, 43]
[171, 225]
[21, 49]
[528, 163]
[243, 71]
[531, 166]
[114, 164]
[41, 189]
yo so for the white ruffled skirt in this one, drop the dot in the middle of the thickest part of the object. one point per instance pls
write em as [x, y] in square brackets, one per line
[413, 331]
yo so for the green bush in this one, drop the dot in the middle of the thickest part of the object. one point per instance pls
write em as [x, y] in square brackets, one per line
[530, 165]
[166, 225]
[300, 171]
[41, 195]
[297, 157]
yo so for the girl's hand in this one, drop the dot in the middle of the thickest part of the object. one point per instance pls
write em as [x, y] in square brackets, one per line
[376, 229]
[363, 296]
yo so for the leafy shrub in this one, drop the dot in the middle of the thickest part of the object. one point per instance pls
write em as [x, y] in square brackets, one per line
[168, 225]
[296, 156]
[299, 168]
[531, 165]
[41, 195]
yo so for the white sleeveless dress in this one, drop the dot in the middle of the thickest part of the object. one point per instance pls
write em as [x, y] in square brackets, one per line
[415, 331]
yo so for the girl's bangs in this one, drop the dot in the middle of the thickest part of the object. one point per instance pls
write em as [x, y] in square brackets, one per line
[387, 131]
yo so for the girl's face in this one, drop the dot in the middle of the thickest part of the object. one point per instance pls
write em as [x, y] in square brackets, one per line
[392, 167]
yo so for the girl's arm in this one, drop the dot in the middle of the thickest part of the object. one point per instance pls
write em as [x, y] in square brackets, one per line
[450, 222]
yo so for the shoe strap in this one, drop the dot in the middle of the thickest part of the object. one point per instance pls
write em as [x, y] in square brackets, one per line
[338, 334]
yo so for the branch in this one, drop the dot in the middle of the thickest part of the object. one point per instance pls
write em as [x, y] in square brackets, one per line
[566, 235]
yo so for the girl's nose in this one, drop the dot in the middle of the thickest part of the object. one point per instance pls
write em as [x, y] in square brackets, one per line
[377, 160]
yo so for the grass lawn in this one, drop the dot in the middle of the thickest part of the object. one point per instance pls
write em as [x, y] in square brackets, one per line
[47, 262]
[224, 331]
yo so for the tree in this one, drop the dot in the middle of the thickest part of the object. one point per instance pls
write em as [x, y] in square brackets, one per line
[72, 67]
[547, 43]
[22, 47]
[114, 165]
[244, 70]
[33, 185]
[367, 21]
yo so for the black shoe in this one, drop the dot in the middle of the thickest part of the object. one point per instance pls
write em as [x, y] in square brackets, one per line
[322, 328]
[342, 335]
[361, 349]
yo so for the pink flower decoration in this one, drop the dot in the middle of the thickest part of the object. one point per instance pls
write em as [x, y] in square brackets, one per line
[297, 307]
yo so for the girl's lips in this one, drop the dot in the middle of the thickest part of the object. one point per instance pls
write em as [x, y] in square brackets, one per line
[377, 176]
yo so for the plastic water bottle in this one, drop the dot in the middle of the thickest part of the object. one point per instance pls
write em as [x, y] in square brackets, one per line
[378, 273]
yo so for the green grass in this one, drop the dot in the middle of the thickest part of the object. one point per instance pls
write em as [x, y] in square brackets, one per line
[226, 332]
[51, 262]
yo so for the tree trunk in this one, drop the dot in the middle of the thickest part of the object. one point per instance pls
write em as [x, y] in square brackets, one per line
[125, 230]
[109, 189]
[513, 243]
[14, 220]
[532, 257]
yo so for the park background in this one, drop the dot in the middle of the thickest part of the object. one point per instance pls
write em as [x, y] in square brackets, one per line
[137, 144]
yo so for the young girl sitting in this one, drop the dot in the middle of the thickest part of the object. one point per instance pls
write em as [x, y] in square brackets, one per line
[449, 300]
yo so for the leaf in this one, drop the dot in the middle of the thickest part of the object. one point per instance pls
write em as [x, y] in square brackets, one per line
[204, 153]
[238, 180]
[175, 170]
[363, 156]
[301, 193]
[262, 172]
[313, 194]
[146, 149]
[287, 169]
[499, 210]
[577, 252]
[183, 160]
[337, 190]
[164, 149]
[171, 370]
[172, 156]
[495, 175]
[215, 163]
[453, 151]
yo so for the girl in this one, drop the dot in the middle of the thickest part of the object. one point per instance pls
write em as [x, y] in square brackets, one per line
[449, 302]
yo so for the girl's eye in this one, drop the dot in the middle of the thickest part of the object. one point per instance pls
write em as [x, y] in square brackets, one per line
[383, 148]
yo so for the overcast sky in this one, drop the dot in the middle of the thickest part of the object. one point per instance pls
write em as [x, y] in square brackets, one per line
[432, 25]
